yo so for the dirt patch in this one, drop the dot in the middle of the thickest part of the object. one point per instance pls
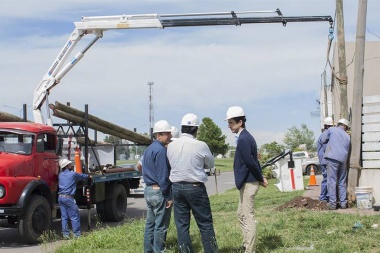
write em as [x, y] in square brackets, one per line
[304, 202]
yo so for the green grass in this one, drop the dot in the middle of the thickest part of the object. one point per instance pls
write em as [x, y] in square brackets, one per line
[224, 164]
[291, 230]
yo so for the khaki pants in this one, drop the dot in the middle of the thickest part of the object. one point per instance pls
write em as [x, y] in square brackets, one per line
[246, 215]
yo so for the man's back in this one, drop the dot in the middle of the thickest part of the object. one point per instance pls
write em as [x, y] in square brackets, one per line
[338, 144]
[188, 158]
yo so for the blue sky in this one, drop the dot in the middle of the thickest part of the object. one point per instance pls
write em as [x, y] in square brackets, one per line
[273, 72]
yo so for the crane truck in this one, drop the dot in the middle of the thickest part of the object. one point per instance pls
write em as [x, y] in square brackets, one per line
[29, 152]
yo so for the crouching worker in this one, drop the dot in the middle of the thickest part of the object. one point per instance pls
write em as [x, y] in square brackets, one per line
[67, 187]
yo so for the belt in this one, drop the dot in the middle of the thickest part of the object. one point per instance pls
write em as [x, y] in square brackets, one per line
[66, 196]
[155, 186]
[192, 183]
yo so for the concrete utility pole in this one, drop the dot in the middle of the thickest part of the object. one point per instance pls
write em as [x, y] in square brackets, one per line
[357, 101]
[342, 60]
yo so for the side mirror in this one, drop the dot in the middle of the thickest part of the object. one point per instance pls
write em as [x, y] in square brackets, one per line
[59, 146]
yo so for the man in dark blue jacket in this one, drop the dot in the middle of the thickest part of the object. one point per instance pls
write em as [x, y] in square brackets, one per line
[248, 176]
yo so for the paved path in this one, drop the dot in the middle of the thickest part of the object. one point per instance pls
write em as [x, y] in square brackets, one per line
[314, 191]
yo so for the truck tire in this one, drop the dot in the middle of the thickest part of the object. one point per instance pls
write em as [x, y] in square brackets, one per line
[116, 207]
[36, 220]
[316, 168]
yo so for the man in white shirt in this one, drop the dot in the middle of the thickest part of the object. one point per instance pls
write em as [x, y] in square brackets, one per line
[188, 158]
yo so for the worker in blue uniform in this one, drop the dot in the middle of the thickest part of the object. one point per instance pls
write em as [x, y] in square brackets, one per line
[337, 149]
[321, 147]
[67, 187]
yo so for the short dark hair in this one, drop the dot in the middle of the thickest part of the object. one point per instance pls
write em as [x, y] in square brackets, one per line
[189, 129]
[242, 118]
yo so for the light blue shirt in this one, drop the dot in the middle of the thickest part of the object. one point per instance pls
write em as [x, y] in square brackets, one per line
[188, 158]
[337, 144]
[68, 179]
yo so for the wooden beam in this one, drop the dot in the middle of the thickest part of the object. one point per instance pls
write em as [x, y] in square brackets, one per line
[103, 127]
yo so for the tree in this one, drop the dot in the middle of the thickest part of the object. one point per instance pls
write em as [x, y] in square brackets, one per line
[296, 137]
[210, 133]
[118, 149]
[270, 150]
[112, 139]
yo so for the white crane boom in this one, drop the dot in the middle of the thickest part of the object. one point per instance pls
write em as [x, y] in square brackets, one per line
[98, 24]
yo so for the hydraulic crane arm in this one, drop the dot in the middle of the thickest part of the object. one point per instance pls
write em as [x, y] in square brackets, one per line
[98, 24]
[275, 159]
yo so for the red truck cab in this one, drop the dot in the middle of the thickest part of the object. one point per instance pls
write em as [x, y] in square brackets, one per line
[29, 154]
[28, 175]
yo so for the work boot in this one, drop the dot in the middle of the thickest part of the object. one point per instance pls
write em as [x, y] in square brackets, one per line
[331, 207]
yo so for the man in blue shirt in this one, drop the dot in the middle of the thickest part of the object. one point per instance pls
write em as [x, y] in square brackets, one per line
[321, 147]
[157, 192]
[248, 176]
[67, 187]
[336, 153]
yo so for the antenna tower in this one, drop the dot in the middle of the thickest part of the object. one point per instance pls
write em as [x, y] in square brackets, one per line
[151, 112]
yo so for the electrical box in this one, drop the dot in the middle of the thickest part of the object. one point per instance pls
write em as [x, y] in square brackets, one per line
[289, 179]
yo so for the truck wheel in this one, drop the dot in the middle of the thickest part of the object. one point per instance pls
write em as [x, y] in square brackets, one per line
[36, 220]
[117, 206]
[315, 167]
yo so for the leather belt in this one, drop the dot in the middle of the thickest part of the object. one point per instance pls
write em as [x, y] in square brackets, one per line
[66, 196]
[192, 183]
[155, 186]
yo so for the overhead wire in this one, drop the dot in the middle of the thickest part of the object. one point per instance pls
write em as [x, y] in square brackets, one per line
[372, 33]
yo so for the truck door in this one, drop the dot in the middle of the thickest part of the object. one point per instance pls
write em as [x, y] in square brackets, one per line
[46, 160]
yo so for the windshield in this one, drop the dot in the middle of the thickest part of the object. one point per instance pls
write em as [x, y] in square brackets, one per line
[16, 142]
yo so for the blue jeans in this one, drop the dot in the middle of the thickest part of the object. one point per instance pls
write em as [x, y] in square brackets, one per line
[69, 210]
[157, 220]
[324, 193]
[337, 177]
[193, 197]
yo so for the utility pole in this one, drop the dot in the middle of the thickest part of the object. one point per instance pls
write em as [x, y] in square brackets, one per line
[326, 108]
[357, 101]
[151, 112]
[342, 60]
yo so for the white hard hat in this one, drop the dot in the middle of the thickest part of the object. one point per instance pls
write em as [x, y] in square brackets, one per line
[328, 121]
[235, 111]
[161, 126]
[64, 162]
[190, 119]
[175, 132]
[344, 121]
